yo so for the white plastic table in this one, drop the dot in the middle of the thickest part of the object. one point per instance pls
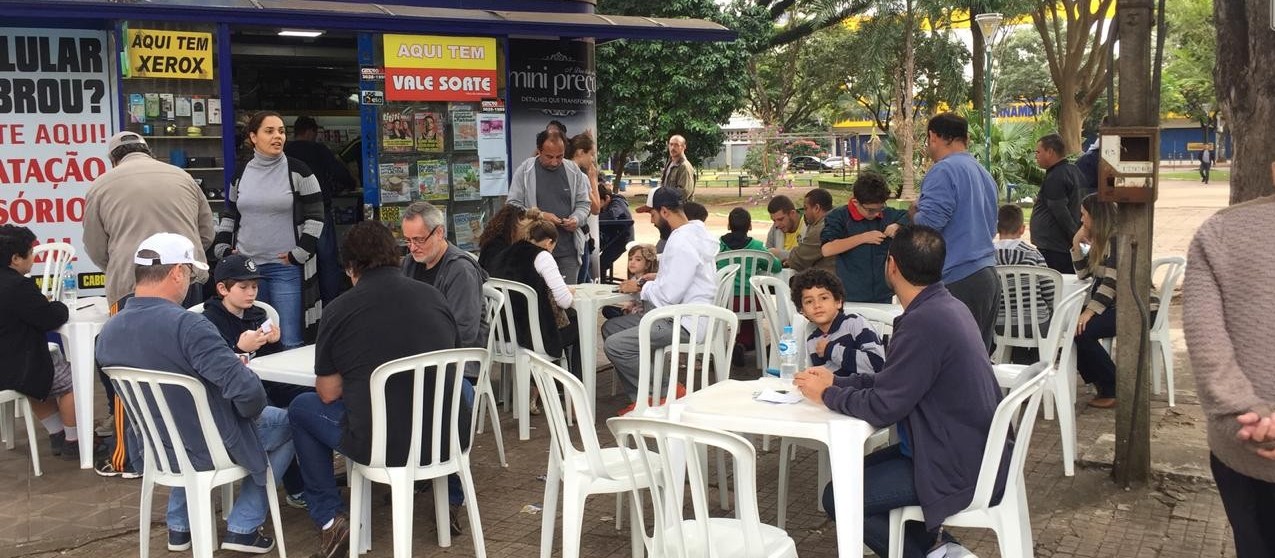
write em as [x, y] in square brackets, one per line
[294, 366]
[588, 301]
[78, 336]
[729, 405]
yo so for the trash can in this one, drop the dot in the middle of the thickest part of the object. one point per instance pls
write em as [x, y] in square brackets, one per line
[624, 184]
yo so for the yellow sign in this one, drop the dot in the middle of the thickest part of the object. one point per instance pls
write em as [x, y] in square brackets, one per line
[169, 54]
[439, 52]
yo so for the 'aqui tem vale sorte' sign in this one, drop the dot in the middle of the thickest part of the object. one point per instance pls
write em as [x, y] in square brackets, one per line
[436, 68]
[168, 54]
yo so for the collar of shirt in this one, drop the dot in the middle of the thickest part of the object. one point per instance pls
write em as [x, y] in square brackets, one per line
[854, 213]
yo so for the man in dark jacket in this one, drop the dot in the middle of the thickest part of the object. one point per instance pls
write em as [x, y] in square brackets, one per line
[937, 386]
[25, 317]
[1056, 214]
[433, 260]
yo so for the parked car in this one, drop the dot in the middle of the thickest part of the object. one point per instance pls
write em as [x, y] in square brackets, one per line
[633, 167]
[806, 162]
[836, 163]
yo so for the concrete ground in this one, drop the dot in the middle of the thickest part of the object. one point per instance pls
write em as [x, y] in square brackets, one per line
[69, 512]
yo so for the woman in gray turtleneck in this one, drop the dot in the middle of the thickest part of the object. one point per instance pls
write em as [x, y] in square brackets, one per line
[274, 216]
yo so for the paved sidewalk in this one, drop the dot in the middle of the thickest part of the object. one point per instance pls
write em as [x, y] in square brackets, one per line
[69, 512]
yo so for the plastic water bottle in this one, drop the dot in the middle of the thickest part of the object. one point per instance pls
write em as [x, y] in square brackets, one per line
[70, 287]
[788, 356]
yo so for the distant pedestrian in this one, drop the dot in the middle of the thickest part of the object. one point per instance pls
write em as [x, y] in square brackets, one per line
[1206, 161]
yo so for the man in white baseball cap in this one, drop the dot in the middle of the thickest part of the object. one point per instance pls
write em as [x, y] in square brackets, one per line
[167, 249]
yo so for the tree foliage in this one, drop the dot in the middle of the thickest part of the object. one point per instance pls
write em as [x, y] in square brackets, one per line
[1021, 72]
[1075, 37]
[798, 19]
[791, 85]
[1190, 54]
[650, 90]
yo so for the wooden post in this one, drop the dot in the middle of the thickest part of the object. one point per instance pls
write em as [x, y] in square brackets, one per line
[1133, 379]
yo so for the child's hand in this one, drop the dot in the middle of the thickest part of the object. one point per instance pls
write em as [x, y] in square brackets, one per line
[821, 345]
[251, 340]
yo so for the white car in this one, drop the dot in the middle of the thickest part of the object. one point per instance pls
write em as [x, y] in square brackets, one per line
[838, 162]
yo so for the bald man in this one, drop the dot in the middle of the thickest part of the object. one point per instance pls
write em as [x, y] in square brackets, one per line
[679, 172]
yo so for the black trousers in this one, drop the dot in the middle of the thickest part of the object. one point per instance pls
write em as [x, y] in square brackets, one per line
[1059, 261]
[1250, 507]
[981, 292]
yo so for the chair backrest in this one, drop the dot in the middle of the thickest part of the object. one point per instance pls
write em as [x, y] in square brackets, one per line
[775, 300]
[1028, 300]
[752, 263]
[270, 311]
[445, 370]
[553, 381]
[709, 329]
[673, 534]
[493, 306]
[1172, 267]
[514, 291]
[56, 256]
[1015, 417]
[881, 320]
[152, 398]
[725, 285]
[1061, 338]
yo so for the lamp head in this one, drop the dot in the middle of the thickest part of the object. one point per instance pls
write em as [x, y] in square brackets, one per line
[989, 23]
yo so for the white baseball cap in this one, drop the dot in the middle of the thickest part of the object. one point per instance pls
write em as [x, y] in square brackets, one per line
[171, 248]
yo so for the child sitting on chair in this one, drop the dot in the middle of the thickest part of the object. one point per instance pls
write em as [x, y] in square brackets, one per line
[643, 265]
[843, 344]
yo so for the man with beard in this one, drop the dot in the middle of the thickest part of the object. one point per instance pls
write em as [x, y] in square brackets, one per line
[433, 260]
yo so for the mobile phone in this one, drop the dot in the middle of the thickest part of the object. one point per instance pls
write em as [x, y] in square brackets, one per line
[266, 326]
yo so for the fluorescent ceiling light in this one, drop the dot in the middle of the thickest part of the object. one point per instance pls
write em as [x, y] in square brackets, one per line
[299, 33]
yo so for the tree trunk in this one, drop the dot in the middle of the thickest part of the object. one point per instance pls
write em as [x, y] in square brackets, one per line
[1243, 75]
[1071, 121]
[908, 137]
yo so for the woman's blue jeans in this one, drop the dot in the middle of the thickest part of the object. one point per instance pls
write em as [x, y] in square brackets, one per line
[280, 287]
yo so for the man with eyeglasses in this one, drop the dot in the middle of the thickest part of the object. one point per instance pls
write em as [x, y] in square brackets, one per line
[858, 235]
[431, 259]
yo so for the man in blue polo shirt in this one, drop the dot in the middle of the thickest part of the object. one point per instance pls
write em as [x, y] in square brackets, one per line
[958, 199]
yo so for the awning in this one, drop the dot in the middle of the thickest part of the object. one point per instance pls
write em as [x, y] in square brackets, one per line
[355, 16]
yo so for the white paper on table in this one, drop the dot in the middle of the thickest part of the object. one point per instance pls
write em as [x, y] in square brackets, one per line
[783, 397]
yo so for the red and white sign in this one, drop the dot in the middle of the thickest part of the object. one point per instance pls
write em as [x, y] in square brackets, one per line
[438, 84]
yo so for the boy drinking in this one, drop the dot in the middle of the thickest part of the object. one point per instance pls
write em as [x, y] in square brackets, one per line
[843, 344]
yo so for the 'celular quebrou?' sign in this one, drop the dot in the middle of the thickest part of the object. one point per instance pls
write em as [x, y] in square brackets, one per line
[436, 68]
[168, 54]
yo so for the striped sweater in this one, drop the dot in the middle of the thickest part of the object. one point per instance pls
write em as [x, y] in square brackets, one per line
[1102, 293]
[852, 346]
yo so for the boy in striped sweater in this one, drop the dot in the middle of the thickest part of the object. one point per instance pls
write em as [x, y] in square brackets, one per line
[844, 344]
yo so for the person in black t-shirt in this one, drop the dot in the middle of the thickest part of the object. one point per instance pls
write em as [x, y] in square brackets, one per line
[386, 316]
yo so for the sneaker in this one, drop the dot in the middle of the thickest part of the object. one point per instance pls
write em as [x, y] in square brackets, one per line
[57, 442]
[951, 550]
[255, 542]
[297, 501]
[678, 394]
[335, 540]
[105, 426]
[178, 540]
[106, 469]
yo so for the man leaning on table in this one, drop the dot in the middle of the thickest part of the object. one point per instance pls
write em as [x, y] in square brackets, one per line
[155, 333]
[385, 316]
[937, 386]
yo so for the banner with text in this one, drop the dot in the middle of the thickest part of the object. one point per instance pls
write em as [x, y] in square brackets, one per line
[57, 109]
[168, 54]
[436, 68]
[549, 80]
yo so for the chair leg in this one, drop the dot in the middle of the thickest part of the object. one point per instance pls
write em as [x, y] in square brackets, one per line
[471, 506]
[144, 517]
[635, 532]
[272, 496]
[1066, 421]
[782, 509]
[495, 428]
[548, 509]
[203, 537]
[572, 519]
[522, 395]
[357, 486]
[403, 493]
[25, 405]
[758, 349]
[7, 410]
[897, 533]
[619, 509]
[1166, 355]
[441, 512]
[825, 476]
[227, 499]
[723, 483]
[480, 409]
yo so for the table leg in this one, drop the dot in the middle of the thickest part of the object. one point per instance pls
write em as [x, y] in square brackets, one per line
[847, 459]
[587, 322]
[79, 341]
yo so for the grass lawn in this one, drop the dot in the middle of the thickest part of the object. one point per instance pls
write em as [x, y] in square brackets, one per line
[1215, 175]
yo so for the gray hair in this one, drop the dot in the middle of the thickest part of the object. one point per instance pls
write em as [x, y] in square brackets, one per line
[425, 211]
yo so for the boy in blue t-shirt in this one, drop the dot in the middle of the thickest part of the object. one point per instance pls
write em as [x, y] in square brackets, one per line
[844, 344]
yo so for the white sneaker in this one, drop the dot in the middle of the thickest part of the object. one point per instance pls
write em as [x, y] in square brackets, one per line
[954, 550]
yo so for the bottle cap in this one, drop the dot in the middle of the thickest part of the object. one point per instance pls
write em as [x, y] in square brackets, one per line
[787, 329]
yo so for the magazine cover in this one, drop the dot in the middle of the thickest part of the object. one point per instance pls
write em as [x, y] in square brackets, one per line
[467, 227]
[396, 133]
[464, 130]
[431, 179]
[396, 183]
[465, 181]
[429, 132]
[392, 216]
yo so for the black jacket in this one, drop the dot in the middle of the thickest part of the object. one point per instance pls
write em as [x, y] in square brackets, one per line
[25, 317]
[1056, 214]
[231, 326]
[518, 263]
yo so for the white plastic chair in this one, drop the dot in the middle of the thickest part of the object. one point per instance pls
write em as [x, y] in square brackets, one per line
[1029, 296]
[1058, 357]
[746, 307]
[509, 350]
[271, 313]
[674, 535]
[589, 469]
[725, 285]
[1009, 518]
[152, 399]
[1161, 344]
[484, 398]
[56, 256]
[445, 371]
[8, 399]
[881, 320]
[775, 299]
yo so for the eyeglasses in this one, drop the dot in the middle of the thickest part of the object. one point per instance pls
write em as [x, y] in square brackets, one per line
[873, 210]
[420, 241]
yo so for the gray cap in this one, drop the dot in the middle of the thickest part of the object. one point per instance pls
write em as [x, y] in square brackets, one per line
[123, 138]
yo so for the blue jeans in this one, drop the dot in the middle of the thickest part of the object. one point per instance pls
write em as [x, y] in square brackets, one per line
[888, 484]
[280, 287]
[250, 508]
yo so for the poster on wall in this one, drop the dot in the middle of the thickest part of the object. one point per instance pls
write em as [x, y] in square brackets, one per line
[53, 138]
[464, 130]
[549, 80]
[396, 133]
[431, 179]
[438, 68]
[493, 160]
[168, 54]
[429, 132]
[465, 178]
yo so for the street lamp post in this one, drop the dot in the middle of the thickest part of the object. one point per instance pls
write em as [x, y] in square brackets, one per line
[988, 24]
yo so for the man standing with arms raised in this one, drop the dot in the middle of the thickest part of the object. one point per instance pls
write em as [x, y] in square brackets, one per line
[561, 191]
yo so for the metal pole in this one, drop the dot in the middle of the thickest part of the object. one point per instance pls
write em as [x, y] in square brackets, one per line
[987, 111]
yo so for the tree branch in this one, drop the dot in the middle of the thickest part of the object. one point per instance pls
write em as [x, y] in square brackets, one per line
[806, 28]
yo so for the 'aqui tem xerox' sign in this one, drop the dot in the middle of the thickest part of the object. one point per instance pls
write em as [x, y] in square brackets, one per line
[436, 68]
[168, 54]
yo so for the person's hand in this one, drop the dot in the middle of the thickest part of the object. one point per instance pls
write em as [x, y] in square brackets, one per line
[1259, 430]
[251, 340]
[649, 276]
[629, 287]
[871, 237]
[1084, 320]
[283, 257]
[813, 381]
[821, 344]
[274, 335]
[569, 223]
[891, 229]
[629, 307]
[776, 252]
[1082, 235]
[557, 221]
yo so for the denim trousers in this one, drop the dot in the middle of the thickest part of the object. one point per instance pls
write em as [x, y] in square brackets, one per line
[280, 287]
[888, 484]
[249, 511]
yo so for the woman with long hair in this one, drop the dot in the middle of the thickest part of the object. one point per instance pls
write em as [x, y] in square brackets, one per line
[502, 231]
[274, 216]
[583, 151]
